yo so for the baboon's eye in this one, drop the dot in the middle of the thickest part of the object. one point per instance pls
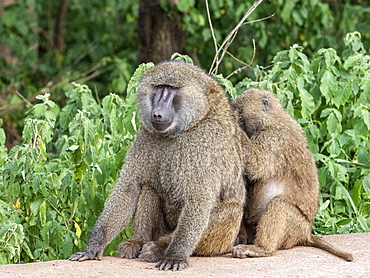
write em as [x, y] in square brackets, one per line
[160, 86]
[265, 103]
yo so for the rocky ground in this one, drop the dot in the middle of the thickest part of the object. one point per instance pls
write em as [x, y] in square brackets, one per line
[297, 262]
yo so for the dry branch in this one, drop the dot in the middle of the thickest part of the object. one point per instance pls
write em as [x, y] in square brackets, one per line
[222, 49]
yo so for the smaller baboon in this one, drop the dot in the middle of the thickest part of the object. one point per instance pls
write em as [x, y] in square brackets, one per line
[182, 181]
[281, 178]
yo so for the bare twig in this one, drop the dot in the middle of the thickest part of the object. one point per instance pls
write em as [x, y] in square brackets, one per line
[210, 25]
[237, 59]
[84, 72]
[57, 78]
[5, 109]
[258, 20]
[229, 38]
[226, 47]
[94, 74]
[246, 65]
[23, 98]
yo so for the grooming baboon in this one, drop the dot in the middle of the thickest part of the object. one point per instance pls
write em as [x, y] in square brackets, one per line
[182, 182]
[282, 182]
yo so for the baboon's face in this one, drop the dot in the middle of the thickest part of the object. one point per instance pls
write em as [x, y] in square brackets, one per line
[253, 108]
[172, 97]
[165, 105]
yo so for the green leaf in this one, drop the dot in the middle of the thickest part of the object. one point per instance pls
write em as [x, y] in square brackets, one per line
[308, 104]
[185, 5]
[2, 135]
[344, 222]
[365, 87]
[334, 148]
[45, 233]
[366, 184]
[186, 58]
[326, 112]
[342, 96]
[287, 9]
[330, 56]
[356, 192]
[136, 78]
[43, 213]
[35, 206]
[67, 246]
[366, 117]
[351, 61]
[328, 86]
[229, 88]
[333, 125]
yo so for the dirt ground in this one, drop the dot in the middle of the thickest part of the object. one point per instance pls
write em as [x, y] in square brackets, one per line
[296, 262]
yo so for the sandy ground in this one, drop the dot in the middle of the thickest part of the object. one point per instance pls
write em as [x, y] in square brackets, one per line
[296, 262]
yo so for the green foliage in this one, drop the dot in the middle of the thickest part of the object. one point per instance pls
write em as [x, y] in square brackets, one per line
[329, 96]
[94, 34]
[3, 150]
[54, 186]
[12, 236]
[93, 40]
[180, 57]
[100, 39]
[312, 24]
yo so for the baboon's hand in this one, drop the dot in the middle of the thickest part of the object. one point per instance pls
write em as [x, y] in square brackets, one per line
[87, 254]
[174, 264]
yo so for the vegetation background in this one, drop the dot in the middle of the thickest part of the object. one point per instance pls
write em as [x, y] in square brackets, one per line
[67, 101]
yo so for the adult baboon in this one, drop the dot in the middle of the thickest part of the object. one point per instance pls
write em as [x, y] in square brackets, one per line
[182, 182]
[282, 182]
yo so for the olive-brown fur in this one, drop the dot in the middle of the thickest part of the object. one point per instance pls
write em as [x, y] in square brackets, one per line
[183, 187]
[281, 178]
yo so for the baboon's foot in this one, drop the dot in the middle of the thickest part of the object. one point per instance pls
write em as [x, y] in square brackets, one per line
[151, 252]
[176, 264]
[242, 251]
[129, 249]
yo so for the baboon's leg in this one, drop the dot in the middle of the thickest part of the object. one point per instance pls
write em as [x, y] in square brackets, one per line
[242, 237]
[281, 226]
[247, 233]
[219, 237]
[148, 223]
[251, 230]
[223, 228]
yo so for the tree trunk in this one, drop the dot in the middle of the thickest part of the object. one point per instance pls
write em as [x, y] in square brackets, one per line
[60, 25]
[159, 35]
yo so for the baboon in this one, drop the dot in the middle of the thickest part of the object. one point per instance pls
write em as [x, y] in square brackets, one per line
[182, 181]
[281, 178]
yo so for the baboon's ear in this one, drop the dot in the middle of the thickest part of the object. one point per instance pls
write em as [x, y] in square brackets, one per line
[265, 103]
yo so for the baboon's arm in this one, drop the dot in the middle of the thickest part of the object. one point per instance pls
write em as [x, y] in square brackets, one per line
[118, 211]
[192, 223]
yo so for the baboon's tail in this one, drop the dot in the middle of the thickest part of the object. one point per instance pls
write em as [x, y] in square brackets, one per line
[322, 244]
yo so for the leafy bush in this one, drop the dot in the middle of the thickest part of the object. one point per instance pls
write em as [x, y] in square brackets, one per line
[313, 24]
[52, 190]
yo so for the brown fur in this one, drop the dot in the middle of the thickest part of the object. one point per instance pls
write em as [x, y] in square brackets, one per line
[184, 186]
[282, 180]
